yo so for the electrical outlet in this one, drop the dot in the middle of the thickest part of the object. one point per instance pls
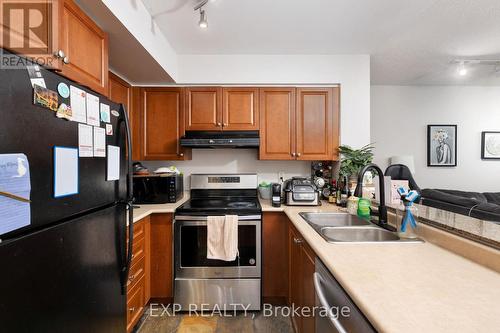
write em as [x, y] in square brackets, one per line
[281, 176]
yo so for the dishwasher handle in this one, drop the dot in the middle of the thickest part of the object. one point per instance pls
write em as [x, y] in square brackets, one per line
[324, 303]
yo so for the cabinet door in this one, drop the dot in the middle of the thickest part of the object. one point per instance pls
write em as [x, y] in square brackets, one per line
[277, 124]
[39, 43]
[240, 109]
[315, 121]
[162, 123]
[295, 273]
[86, 47]
[203, 109]
[275, 258]
[308, 297]
[120, 91]
[162, 276]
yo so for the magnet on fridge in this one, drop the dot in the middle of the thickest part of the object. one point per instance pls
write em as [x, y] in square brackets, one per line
[64, 111]
[115, 113]
[63, 90]
[109, 129]
[45, 97]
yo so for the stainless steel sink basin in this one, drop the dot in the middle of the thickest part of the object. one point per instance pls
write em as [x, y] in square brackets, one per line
[347, 228]
[333, 219]
[358, 234]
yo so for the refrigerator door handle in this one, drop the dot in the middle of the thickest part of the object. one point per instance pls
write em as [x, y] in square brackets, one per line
[128, 202]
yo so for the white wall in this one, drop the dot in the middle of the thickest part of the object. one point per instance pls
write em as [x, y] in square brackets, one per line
[352, 72]
[137, 19]
[234, 161]
[400, 115]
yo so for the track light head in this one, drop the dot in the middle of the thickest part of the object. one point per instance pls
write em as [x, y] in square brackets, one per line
[461, 69]
[203, 20]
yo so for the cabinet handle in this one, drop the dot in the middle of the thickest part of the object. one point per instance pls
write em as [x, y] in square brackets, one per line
[298, 154]
[59, 54]
[298, 240]
[131, 278]
[293, 154]
[219, 124]
[131, 309]
[181, 154]
[225, 124]
[66, 60]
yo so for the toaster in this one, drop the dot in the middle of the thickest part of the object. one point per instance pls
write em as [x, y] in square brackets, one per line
[301, 191]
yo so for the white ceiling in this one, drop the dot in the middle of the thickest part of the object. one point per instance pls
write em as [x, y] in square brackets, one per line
[410, 41]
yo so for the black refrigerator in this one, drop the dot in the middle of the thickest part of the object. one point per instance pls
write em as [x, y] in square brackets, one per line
[67, 270]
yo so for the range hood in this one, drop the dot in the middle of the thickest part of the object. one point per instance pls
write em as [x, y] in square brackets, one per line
[221, 139]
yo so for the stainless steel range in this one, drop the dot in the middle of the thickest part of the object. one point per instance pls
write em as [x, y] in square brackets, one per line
[215, 283]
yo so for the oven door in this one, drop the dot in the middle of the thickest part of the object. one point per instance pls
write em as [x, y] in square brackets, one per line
[190, 250]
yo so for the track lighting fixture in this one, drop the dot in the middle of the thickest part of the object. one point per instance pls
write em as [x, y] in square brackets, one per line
[203, 23]
[463, 65]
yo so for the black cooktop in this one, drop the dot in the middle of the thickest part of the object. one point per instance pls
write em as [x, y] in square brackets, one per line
[221, 205]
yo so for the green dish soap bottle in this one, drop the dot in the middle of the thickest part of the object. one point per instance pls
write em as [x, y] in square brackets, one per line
[364, 208]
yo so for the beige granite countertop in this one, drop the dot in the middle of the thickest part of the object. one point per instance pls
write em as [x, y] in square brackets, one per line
[399, 287]
[145, 210]
[408, 287]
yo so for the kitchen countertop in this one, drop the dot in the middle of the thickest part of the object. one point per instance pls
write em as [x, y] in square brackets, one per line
[145, 210]
[408, 287]
[399, 287]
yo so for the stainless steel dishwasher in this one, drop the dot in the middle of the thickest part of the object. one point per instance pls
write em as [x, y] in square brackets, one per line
[330, 295]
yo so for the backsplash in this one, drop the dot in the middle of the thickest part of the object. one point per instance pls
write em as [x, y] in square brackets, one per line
[234, 161]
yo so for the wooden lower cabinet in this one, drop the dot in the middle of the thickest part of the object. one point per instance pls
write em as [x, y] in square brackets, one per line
[288, 267]
[161, 257]
[301, 270]
[275, 258]
[151, 274]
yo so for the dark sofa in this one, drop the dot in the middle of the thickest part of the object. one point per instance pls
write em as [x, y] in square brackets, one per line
[483, 206]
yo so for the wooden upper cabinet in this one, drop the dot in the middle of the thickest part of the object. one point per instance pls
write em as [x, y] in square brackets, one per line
[120, 91]
[40, 42]
[316, 118]
[203, 108]
[277, 123]
[86, 47]
[240, 109]
[162, 123]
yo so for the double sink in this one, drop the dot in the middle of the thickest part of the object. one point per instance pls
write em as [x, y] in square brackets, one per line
[347, 228]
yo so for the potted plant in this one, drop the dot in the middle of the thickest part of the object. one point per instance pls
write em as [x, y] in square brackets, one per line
[352, 160]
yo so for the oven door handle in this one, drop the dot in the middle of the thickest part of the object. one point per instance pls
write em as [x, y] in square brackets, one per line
[205, 218]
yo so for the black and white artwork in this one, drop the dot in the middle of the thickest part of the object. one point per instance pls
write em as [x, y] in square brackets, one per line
[490, 146]
[442, 145]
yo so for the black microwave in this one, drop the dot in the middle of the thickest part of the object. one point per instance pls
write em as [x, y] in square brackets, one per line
[158, 189]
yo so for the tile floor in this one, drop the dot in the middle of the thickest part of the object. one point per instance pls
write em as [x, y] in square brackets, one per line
[253, 322]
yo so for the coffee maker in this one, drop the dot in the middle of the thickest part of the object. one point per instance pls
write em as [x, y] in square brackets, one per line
[276, 195]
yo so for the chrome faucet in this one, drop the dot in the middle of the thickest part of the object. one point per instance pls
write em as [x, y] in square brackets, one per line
[382, 209]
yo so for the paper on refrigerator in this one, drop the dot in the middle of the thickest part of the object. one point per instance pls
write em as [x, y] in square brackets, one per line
[78, 103]
[15, 190]
[113, 172]
[99, 142]
[93, 117]
[85, 141]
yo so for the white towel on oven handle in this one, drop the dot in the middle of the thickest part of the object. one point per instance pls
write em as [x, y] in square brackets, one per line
[222, 237]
